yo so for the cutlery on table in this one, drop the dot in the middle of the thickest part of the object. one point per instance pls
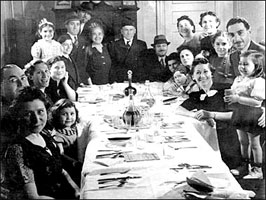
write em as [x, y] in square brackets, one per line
[177, 148]
[122, 172]
[189, 166]
[112, 154]
[104, 180]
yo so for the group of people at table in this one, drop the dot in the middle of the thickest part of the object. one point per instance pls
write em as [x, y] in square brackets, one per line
[222, 74]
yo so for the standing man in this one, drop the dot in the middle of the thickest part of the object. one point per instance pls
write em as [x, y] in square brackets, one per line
[84, 12]
[154, 60]
[239, 30]
[125, 54]
[80, 46]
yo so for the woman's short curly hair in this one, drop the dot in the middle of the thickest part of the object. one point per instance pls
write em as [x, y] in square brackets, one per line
[211, 13]
[27, 94]
[185, 17]
[203, 61]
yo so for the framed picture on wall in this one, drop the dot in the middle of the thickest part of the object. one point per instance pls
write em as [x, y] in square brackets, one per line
[129, 3]
[62, 4]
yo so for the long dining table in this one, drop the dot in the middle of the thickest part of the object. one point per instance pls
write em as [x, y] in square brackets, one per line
[154, 159]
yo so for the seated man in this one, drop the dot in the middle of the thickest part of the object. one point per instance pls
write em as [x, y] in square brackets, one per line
[125, 55]
[13, 79]
[154, 60]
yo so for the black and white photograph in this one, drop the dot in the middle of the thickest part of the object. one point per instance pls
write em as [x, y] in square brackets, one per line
[132, 99]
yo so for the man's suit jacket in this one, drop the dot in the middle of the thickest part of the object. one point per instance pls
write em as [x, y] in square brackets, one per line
[73, 73]
[153, 69]
[234, 57]
[124, 59]
[79, 55]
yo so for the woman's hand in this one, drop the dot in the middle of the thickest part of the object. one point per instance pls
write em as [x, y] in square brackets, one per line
[261, 120]
[203, 114]
[231, 99]
[65, 79]
[206, 115]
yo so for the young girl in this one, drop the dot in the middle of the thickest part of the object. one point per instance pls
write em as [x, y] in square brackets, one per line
[45, 48]
[249, 89]
[59, 87]
[99, 61]
[64, 118]
[223, 76]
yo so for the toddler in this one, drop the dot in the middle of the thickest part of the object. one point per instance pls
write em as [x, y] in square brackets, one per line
[249, 89]
[46, 47]
[223, 76]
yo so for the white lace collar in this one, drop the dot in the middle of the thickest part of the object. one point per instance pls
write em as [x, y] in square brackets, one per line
[210, 93]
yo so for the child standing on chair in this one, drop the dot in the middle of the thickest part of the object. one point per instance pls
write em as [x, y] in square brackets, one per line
[249, 89]
[46, 47]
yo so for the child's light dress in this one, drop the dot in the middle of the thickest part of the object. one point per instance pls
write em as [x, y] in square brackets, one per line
[249, 87]
[44, 50]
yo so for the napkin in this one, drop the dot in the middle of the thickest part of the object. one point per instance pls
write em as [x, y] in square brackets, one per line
[200, 181]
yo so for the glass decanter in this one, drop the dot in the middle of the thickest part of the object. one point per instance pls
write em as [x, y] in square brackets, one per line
[131, 116]
[130, 87]
[147, 95]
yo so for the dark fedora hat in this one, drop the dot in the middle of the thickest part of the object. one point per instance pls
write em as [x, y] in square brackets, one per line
[128, 22]
[85, 7]
[160, 39]
[72, 17]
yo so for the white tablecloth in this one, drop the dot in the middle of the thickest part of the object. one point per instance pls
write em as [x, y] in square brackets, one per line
[157, 177]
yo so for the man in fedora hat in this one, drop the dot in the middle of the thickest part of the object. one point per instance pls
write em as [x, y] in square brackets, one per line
[79, 51]
[154, 60]
[125, 54]
[84, 11]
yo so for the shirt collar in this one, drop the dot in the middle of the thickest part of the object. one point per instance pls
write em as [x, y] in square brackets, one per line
[246, 47]
[96, 45]
[130, 41]
[72, 36]
[159, 58]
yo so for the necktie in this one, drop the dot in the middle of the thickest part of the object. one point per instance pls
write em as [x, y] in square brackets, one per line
[75, 41]
[128, 44]
[162, 62]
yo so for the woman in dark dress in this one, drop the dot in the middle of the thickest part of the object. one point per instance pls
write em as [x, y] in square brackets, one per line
[99, 61]
[34, 165]
[208, 99]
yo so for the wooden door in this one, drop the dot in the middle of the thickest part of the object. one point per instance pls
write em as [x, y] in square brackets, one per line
[169, 11]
